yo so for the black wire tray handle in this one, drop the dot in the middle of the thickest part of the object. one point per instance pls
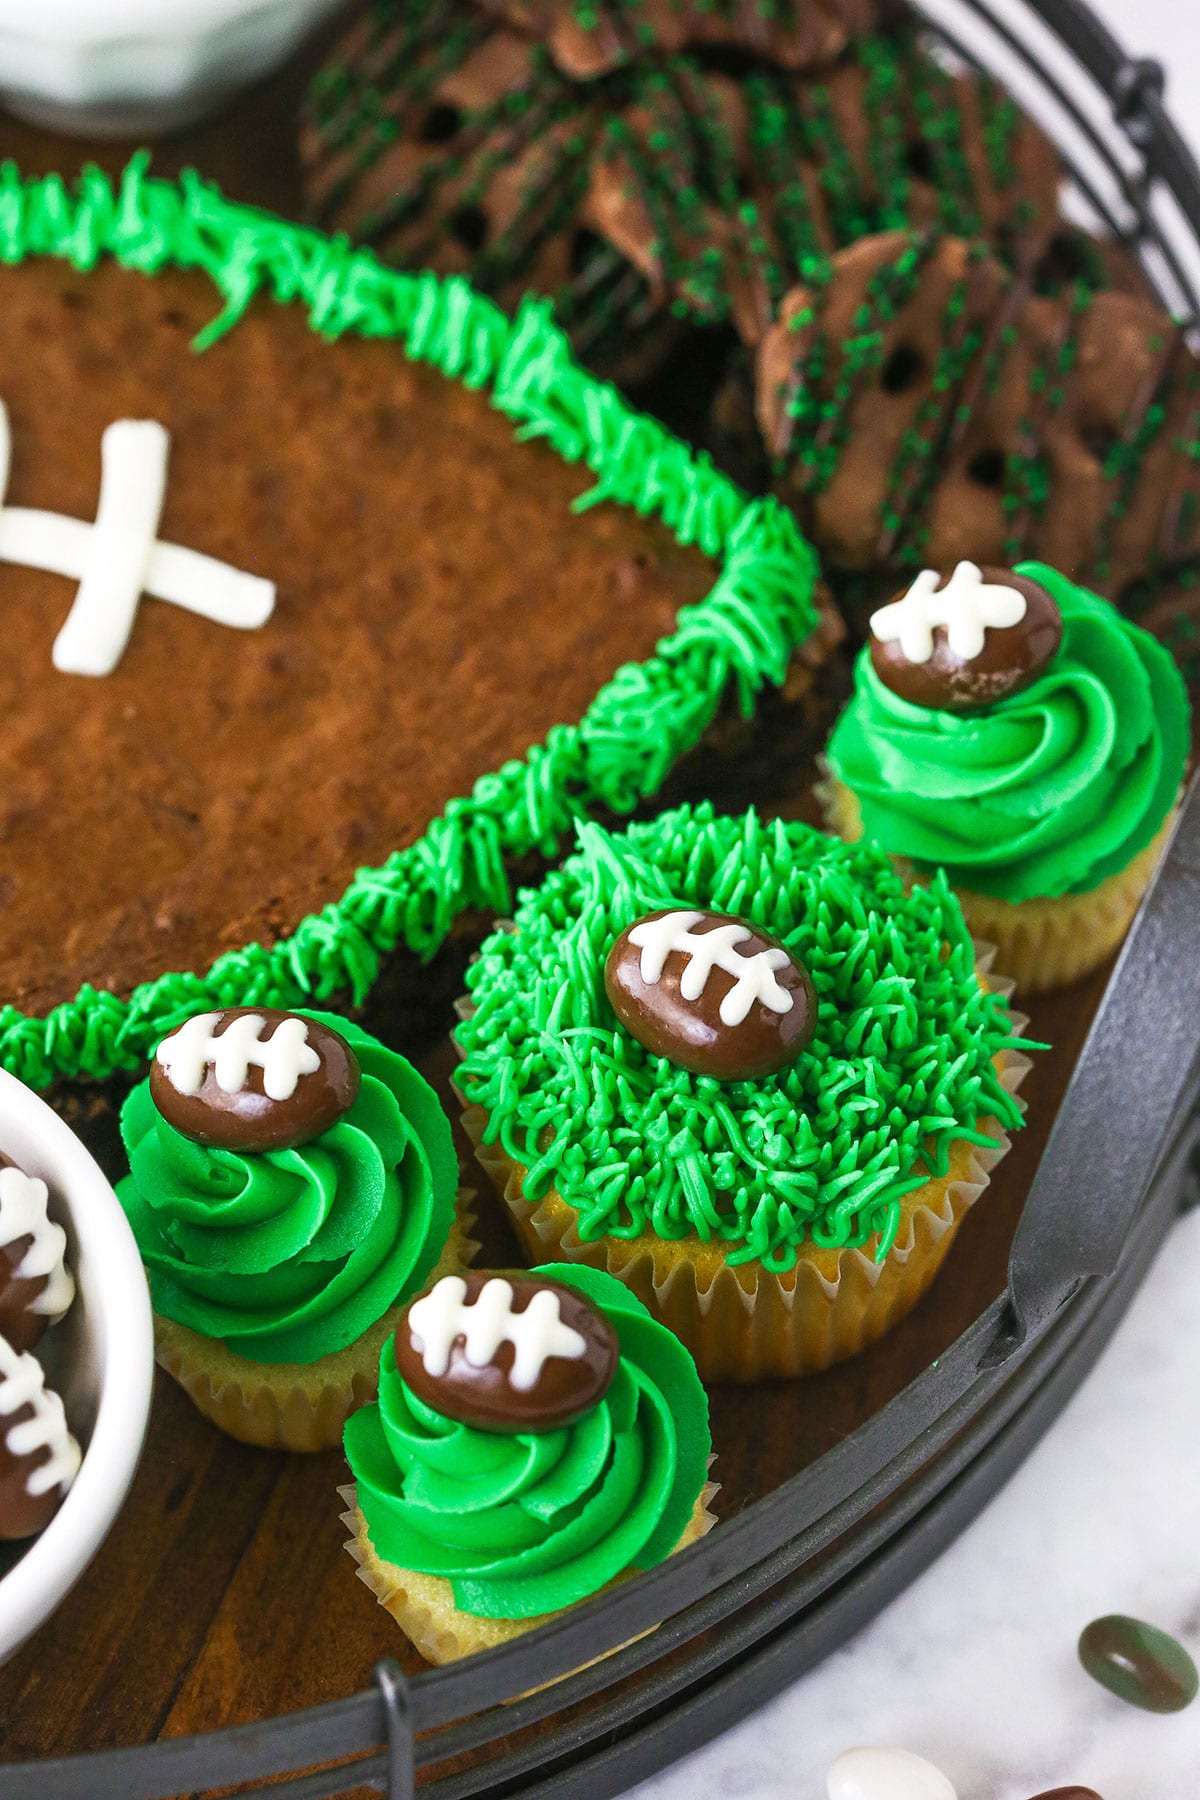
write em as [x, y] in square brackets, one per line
[794, 1573]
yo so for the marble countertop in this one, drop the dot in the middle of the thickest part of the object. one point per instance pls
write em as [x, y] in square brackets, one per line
[974, 1666]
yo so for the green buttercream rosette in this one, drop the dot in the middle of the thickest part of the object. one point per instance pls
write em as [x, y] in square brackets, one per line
[1048, 792]
[289, 1255]
[525, 1524]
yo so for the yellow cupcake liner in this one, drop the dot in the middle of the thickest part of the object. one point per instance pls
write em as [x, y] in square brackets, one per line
[745, 1322]
[423, 1605]
[294, 1406]
[1045, 942]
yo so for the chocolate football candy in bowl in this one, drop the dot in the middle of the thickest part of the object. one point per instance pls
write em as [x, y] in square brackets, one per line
[99, 1359]
[36, 1286]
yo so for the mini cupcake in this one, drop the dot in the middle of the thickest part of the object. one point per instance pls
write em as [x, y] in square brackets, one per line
[536, 1438]
[291, 1182]
[1014, 730]
[738, 1065]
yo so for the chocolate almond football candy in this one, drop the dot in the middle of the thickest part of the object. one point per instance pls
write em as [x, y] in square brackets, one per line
[36, 1287]
[965, 641]
[253, 1078]
[1139, 1663]
[39, 1458]
[712, 993]
[506, 1353]
[870, 1773]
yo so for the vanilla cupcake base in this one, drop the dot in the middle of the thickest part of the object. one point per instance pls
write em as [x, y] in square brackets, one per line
[424, 1607]
[744, 1322]
[293, 1406]
[1045, 942]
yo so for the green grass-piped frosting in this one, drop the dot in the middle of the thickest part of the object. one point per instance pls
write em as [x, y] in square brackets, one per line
[899, 1068]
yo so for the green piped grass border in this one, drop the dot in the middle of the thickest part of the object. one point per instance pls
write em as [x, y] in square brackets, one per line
[739, 637]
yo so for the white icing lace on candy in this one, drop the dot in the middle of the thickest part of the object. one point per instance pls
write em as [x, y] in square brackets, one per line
[23, 1214]
[22, 1383]
[536, 1334]
[968, 606]
[754, 976]
[118, 558]
[283, 1057]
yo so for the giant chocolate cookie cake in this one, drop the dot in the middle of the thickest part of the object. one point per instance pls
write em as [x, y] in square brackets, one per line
[363, 593]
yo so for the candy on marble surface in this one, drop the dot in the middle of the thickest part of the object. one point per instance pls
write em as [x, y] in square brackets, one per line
[1068, 1793]
[867, 1773]
[1139, 1663]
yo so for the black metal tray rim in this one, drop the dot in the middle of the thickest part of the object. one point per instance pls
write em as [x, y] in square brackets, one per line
[895, 1491]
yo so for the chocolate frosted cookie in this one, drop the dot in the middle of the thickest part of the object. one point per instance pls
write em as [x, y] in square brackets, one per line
[922, 405]
[443, 141]
[446, 138]
[588, 38]
[451, 146]
[721, 190]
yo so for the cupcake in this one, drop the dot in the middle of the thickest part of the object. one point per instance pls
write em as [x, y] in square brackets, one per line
[1013, 729]
[291, 1183]
[742, 1067]
[536, 1438]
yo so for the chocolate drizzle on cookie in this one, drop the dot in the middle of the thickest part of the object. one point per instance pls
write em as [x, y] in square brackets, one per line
[588, 38]
[959, 642]
[921, 404]
[444, 138]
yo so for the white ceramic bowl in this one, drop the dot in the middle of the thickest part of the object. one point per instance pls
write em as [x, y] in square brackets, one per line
[100, 1358]
[131, 68]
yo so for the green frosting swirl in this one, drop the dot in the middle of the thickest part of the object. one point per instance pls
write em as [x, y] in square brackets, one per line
[1048, 792]
[526, 1524]
[899, 1068]
[288, 1255]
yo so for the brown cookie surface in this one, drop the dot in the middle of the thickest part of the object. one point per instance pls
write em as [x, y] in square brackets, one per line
[153, 822]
